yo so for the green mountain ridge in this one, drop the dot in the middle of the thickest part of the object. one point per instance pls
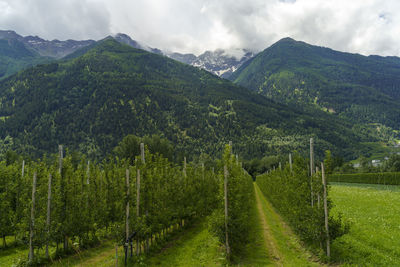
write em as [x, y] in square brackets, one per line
[14, 56]
[91, 102]
[363, 89]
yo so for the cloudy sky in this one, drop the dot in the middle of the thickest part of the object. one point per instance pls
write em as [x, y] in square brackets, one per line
[360, 26]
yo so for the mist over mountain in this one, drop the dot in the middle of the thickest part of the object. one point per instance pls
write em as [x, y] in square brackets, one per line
[220, 62]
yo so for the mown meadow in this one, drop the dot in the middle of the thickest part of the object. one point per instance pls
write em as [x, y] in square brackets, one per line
[374, 214]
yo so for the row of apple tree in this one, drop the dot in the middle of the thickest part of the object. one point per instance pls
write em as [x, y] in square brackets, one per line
[67, 202]
[303, 200]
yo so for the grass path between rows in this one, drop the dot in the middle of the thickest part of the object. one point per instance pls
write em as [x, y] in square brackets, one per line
[102, 256]
[283, 246]
[198, 247]
[193, 247]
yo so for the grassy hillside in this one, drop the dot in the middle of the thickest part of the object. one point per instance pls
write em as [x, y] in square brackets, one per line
[362, 89]
[90, 102]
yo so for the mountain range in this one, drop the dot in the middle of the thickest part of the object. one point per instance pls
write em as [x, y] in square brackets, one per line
[89, 94]
[219, 62]
[90, 102]
[53, 49]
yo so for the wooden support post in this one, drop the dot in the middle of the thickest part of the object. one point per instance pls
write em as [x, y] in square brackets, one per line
[144, 161]
[328, 245]
[60, 167]
[184, 167]
[311, 169]
[32, 221]
[142, 152]
[138, 193]
[48, 215]
[226, 174]
[280, 165]
[290, 163]
[138, 208]
[23, 169]
[311, 156]
[127, 207]
[88, 172]
[60, 158]
[318, 192]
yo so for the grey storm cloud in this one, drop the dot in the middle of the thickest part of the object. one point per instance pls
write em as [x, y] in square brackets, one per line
[359, 26]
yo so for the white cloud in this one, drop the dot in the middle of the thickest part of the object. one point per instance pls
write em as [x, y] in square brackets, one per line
[360, 26]
[55, 19]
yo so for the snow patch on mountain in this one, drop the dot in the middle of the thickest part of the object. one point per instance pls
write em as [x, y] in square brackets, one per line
[220, 62]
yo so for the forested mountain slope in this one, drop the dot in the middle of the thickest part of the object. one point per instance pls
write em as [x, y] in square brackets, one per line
[360, 88]
[91, 102]
[15, 56]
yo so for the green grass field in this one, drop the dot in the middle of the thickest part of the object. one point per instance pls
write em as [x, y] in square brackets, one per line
[374, 214]
[10, 255]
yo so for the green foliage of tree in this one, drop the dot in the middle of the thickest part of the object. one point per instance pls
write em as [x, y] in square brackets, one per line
[328, 162]
[240, 200]
[256, 166]
[89, 198]
[129, 147]
[393, 163]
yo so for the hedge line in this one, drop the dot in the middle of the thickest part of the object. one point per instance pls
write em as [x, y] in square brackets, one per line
[387, 178]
